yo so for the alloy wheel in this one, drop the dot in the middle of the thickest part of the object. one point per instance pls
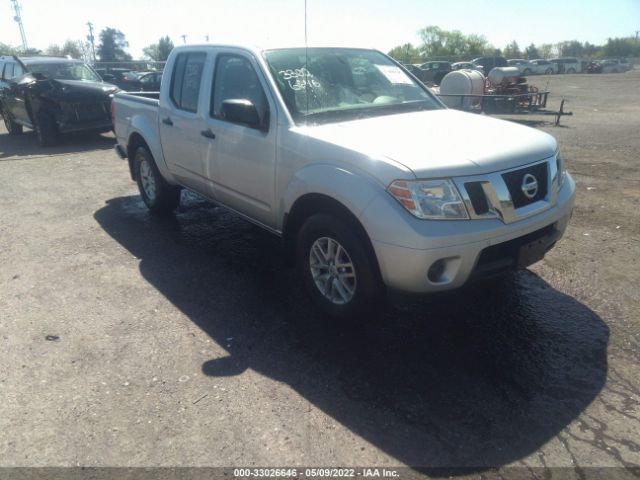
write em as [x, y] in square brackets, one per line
[148, 180]
[332, 270]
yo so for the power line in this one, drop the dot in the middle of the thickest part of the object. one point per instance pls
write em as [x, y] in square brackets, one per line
[18, 19]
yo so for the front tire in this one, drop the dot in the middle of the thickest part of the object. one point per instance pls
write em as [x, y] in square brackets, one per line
[12, 127]
[46, 131]
[548, 71]
[571, 70]
[159, 196]
[337, 269]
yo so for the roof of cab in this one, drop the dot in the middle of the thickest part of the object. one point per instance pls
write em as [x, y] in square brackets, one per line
[46, 59]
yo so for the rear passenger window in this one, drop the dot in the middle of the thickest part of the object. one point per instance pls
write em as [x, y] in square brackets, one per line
[17, 70]
[185, 82]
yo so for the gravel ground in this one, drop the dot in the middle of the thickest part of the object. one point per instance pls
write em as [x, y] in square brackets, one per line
[133, 341]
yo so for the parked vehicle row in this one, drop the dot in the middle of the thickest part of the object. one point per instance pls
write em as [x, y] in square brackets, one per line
[609, 65]
[538, 66]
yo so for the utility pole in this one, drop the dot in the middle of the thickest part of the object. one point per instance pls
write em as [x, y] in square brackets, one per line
[184, 38]
[91, 39]
[206, 38]
[18, 19]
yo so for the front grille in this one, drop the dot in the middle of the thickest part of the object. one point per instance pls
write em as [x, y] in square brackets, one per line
[514, 184]
[478, 198]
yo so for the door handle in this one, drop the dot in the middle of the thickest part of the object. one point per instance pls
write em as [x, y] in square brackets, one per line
[208, 133]
[167, 121]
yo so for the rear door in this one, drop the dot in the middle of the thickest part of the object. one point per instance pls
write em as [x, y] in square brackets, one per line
[180, 121]
[241, 160]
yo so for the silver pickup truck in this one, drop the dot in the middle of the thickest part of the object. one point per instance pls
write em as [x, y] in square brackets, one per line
[369, 179]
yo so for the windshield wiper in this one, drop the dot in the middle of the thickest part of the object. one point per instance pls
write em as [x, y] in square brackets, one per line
[368, 111]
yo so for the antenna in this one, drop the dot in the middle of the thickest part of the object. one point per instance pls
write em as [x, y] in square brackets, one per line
[306, 58]
[18, 19]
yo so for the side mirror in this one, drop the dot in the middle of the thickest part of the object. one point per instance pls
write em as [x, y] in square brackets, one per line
[241, 110]
[107, 77]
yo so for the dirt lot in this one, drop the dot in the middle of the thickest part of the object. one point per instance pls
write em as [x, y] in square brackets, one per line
[133, 341]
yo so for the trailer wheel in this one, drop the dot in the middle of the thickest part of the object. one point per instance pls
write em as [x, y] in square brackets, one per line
[12, 127]
[157, 194]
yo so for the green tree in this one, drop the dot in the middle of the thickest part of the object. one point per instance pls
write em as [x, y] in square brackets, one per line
[571, 48]
[112, 46]
[512, 50]
[477, 45]
[591, 50]
[6, 49]
[159, 51]
[72, 48]
[406, 53]
[452, 44]
[531, 52]
[546, 50]
[621, 47]
[441, 43]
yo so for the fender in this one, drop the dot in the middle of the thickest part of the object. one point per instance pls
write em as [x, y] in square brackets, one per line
[352, 190]
[149, 131]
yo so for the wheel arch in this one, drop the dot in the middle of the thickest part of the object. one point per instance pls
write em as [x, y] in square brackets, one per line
[310, 204]
[135, 141]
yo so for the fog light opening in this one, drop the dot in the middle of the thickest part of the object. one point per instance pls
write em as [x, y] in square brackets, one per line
[436, 271]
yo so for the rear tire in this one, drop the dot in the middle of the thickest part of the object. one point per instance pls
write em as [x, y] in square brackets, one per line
[46, 131]
[339, 273]
[159, 196]
[12, 127]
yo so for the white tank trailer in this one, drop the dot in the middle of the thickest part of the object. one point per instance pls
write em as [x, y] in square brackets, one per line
[462, 82]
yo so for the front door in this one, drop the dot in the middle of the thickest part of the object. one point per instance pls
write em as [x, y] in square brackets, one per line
[242, 160]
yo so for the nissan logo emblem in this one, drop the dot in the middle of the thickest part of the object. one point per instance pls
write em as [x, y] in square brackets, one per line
[529, 186]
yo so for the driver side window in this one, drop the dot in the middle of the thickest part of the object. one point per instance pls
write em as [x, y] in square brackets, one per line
[235, 78]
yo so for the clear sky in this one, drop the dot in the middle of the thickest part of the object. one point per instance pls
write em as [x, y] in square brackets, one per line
[381, 24]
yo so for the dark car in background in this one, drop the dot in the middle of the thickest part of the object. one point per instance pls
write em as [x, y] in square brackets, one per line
[434, 71]
[53, 95]
[466, 66]
[142, 82]
[489, 63]
[114, 75]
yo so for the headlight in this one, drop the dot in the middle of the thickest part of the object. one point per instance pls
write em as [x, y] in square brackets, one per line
[561, 171]
[429, 199]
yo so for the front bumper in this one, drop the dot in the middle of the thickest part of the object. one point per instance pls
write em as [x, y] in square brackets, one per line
[98, 125]
[406, 247]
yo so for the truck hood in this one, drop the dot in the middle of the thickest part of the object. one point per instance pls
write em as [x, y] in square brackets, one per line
[440, 143]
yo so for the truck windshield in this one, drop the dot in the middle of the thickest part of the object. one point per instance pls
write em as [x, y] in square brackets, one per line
[332, 84]
[64, 71]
